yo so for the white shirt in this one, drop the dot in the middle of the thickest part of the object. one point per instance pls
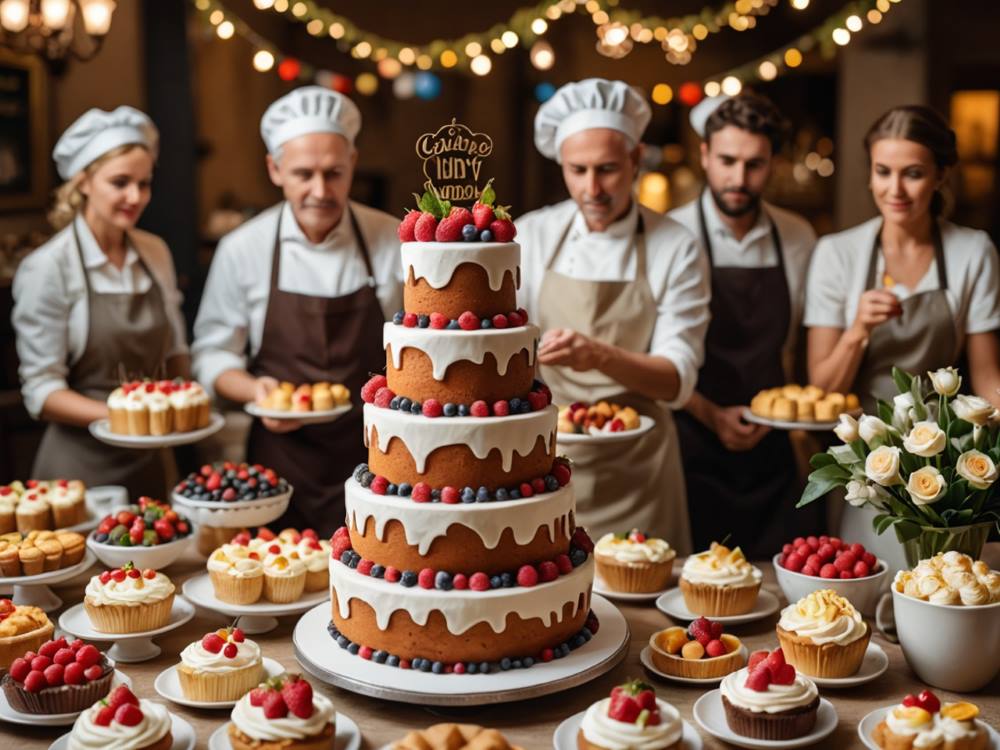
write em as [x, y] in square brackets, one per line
[756, 250]
[51, 315]
[675, 268]
[839, 271]
[234, 303]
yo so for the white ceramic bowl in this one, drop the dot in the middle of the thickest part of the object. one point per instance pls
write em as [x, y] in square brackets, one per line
[863, 593]
[157, 557]
[952, 647]
[236, 514]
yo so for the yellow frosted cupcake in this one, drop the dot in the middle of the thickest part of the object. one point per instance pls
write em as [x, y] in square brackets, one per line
[284, 574]
[222, 666]
[237, 574]
[633, 562]
[127, 600]
[720, 582]
[823, 635]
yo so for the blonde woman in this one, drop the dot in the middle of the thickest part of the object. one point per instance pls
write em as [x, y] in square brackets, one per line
[98, 299]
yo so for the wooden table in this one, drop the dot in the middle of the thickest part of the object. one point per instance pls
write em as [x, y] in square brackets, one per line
[528, 723]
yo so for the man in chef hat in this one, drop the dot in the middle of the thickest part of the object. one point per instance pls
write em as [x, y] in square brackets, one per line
[621, 294]
[304, 288]
[759, 255]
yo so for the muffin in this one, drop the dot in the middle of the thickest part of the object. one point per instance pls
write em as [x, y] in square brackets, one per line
[74, 547]
[768, 699]
[282, 714]
[720, 582]
[122, 721]
[632, 563]
[33, 512]
[700, 652]
[59, 678]
[315, 555]
[284, 574]
[823, 635]
[632, 717]
[222, 666]
[236, 573]
[921, 722]
[126, 600]
[22, 628]
[451, 736]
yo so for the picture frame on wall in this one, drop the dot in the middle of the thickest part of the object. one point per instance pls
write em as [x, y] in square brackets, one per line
[24, 118]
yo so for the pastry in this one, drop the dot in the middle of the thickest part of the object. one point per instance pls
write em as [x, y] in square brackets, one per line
[284, 574]
[122, 722]
[823, 635]
[222, 666]
[22, 628]
[921, 722]
[450, 736]
[314, 553]
[594, 419]
[236, 573]
[783, 409]
[127, 600]
[59, 678]
[700, 651]
[947, 578]
[633, 562]
[632, 717]
[720, 582]
[768, 699]
[282, 714]
[158, 407]
[33, 512]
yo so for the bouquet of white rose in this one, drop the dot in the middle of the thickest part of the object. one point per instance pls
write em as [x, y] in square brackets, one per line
[927, 463]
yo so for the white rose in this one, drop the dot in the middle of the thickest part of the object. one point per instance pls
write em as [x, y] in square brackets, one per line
[847, 430]
[859, 493]
[977, 468]
[925, 485]
[972, 409]
[926, 439]
[871, 428]
[946, 381]
[902, 407]
[882, 466]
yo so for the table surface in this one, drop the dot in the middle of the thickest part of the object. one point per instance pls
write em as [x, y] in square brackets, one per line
[528, 723]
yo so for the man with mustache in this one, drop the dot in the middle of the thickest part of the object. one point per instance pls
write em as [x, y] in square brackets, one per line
[304, 289]
[741, 476]
[621, 295]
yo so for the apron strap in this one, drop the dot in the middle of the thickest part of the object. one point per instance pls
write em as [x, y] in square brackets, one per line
[707, 242]
[362, 246]
[640, 244]
[942, 270]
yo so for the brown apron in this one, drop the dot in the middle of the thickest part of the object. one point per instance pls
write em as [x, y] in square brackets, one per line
[638, 484]
[749, 495]
[307, 339]
[126, 333]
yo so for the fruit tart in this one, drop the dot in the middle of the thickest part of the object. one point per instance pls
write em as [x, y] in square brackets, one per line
[699, 652]
[60, 678]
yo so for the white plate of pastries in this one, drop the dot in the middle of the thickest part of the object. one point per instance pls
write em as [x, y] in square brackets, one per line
[603, 422]
[797, 407]
[309, 403]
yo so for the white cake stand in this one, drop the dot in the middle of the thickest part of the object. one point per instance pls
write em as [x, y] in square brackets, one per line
[236, 514]
[34, 590]
[319, 654]
[256, 618]
[129, 647]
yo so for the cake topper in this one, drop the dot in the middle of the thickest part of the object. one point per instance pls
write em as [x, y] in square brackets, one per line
[452, 159]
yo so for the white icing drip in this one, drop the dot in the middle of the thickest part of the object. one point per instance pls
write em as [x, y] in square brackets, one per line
[436, 261]
[446, 347]
[423, 435]
[425, 522]
[462, 609]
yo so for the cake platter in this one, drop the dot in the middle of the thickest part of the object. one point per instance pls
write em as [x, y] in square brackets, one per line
[791, 424]
[34, 590]
[128, 647]
[256, 618]
[335, 666]
[600, 437]
[305, 417]
[101, 429]
[565, 736]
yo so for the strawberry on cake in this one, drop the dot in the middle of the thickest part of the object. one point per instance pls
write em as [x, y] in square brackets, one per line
[769, 700]
[122, 722]
[283, 713]
[632, 717]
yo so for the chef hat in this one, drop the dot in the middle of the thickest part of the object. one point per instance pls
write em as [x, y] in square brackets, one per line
[96, 132]
[591, 103]
[310, 109]
[703, 110]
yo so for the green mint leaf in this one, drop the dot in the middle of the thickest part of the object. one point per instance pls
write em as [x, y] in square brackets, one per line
[488, 195]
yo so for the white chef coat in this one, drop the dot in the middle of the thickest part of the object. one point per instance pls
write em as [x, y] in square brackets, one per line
[756, 250]
[234, 303]
[51, 315]
[676, 269]
[839, 271]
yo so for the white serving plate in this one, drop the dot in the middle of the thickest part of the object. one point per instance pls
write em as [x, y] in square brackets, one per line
[101, 429]
[600, 437]
[791, 424]
[672, 605]
[711, 717]
[305, 417]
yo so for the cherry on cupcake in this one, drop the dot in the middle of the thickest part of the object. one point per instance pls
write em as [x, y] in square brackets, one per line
[212, 643]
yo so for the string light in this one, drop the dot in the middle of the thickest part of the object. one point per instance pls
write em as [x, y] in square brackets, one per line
[713, 88]
[225, 30]
[539, 26]
[841, 36]
[662, 93]
[800, 4]
[793, 58]
[542, 56]
[449, 59]
[481, 65]
[263, 61]
[509, 39]
[366, 84]
[853, 23]
[767, 70]
[731, 85]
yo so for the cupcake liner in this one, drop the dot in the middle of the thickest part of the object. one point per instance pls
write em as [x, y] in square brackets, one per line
[8, 522]
[160, 422]
[53, 561]
[138, 421]
[219, 686]
[61, 700]
[125, 618]
[33, 565]
[39, 521]
[785, 725]
[827, 660]
[317, 580]
[634, 578]
[284, 589]
[240, 741]
[204, 414]
[118, 421]
[234, 590]
[185, 418]
[10, 566]
[718, 601]
[64, 516]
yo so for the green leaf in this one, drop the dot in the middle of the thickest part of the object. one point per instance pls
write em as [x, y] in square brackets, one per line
[830, 471]
[487, 196]
[815, 490]
[860, 449]
[884, 412]
[819, 460]
[882, 522]
[433, 205]
[906, 530]
[902, 379]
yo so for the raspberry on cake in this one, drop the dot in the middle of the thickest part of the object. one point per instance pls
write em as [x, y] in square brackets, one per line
[60, 677]
[282, 713]
[631, 717]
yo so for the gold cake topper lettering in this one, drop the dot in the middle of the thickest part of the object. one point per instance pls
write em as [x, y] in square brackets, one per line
[453, 158]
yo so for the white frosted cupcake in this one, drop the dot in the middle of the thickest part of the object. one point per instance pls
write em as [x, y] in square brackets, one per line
[633, 562]
[315, 554]
[282, 714]
[222, 666]
[237, 574]
[126, 600]
[769, 699]
[632, 717]
[122, 722]
[823, 635]
[284, 574]
[720, 582]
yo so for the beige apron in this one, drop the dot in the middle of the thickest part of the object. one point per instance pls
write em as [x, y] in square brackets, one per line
[618, 486]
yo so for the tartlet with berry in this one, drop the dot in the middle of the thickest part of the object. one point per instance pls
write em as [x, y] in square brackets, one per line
[769, 699]
[60, 678]
[283, 713]
[699, 652]
[631, 717]
[634, 563]
[129, 600]
[122, 721]
[22, 628]
[222, 666]
[922, 722]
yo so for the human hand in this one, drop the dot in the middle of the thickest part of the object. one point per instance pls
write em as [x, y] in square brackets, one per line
[734, 433]
[875, 307]
[568, 348]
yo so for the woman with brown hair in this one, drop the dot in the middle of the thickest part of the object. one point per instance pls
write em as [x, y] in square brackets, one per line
[97, 300]
[907, 288]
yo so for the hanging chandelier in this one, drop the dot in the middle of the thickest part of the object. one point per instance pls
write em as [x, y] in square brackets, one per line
[55, 29]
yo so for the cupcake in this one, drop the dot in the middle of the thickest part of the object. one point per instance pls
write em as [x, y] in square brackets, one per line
[59, 678]
[126, 600]
[452, 736]
[137, 411]
[282, 714]
[32, 558]
[634, 563]
[633, 717]
[284, 574]
[922, 723]
[8, 516]
[33, 512]
[700, 652]
[22, 628]
[315, 555]
[161, 416]
[118, 411]
[122, 722]
[768, 699]
[720, 582]
[236, 573]
[68, 504]
[222, 666]
[823, 635]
